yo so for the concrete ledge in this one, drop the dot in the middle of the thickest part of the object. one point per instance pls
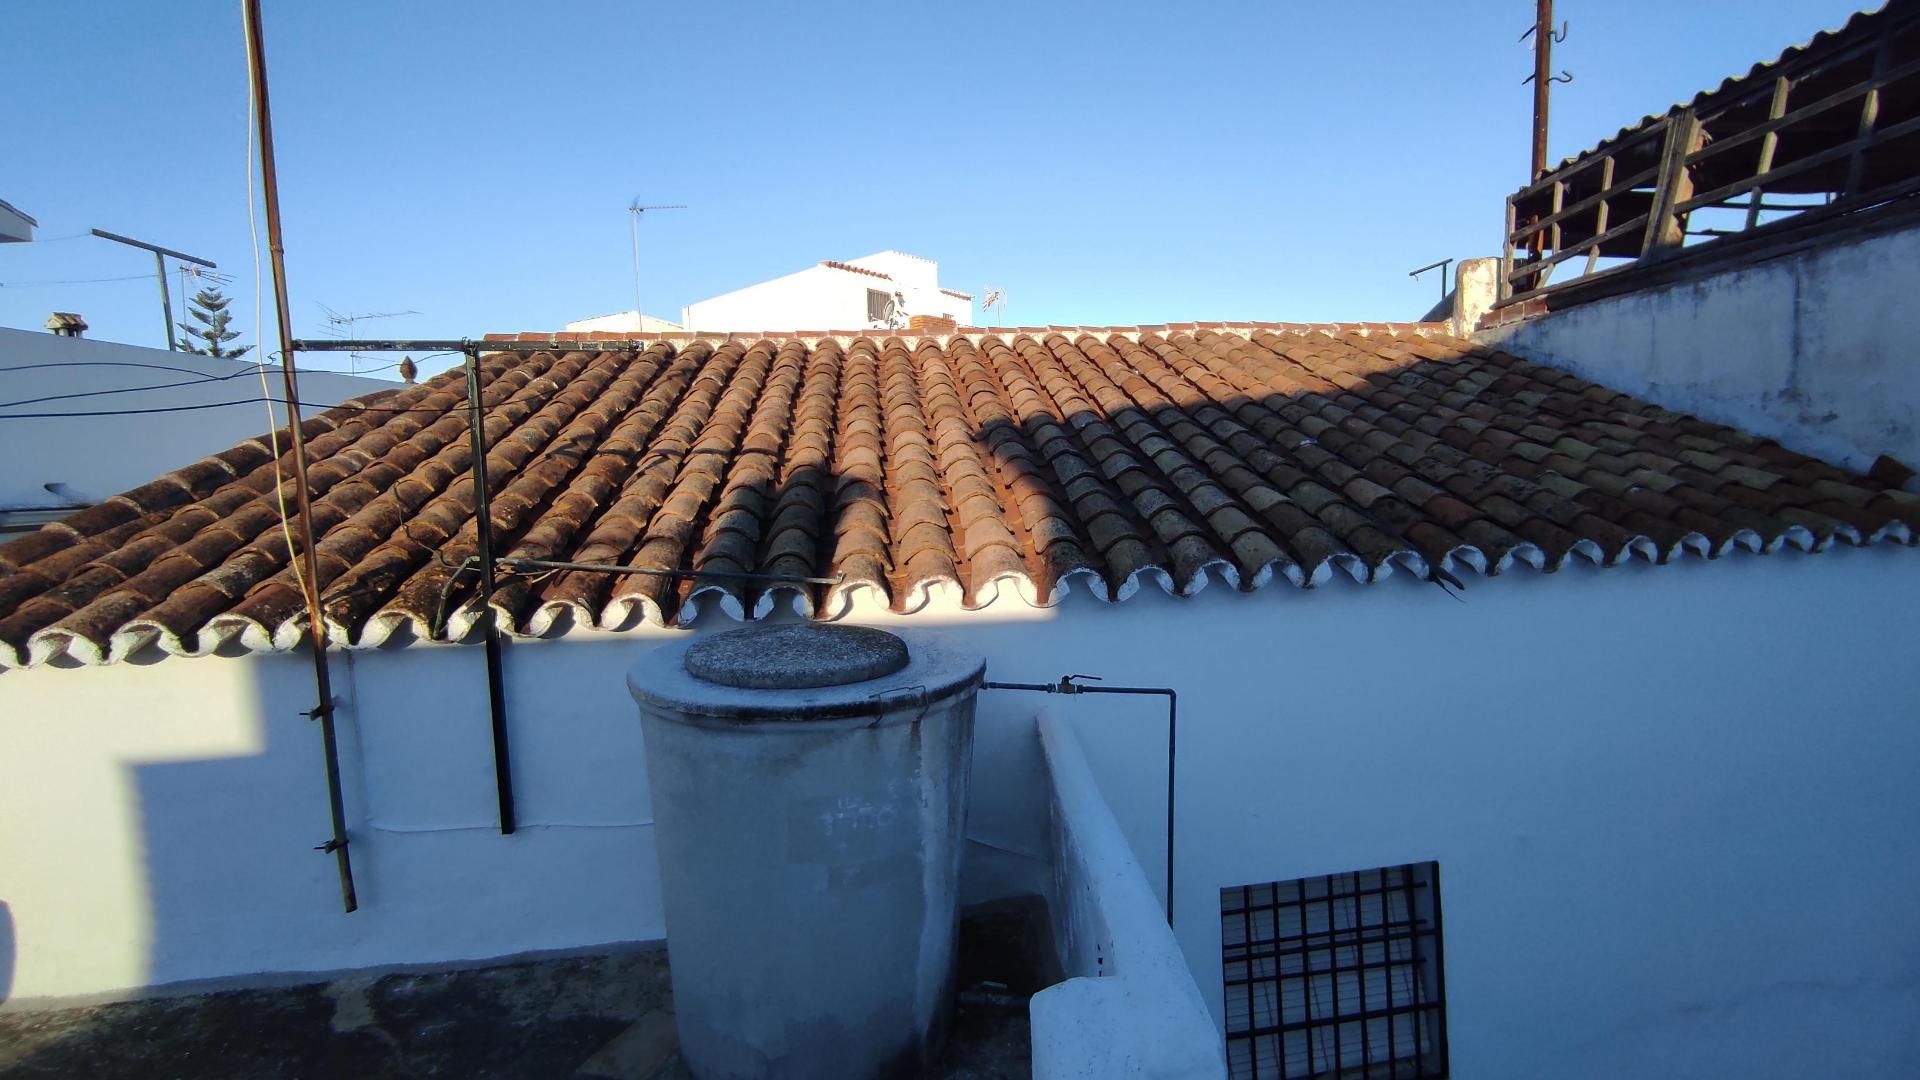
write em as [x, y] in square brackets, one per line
[1129, 1007]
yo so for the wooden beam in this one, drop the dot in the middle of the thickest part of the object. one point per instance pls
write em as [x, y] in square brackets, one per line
[1609, 189]
[1768, 143]
[1869, 114]
[1664, 232]
[1724, 143]
[1600, 219]
[1738, 187]
[1506, 255]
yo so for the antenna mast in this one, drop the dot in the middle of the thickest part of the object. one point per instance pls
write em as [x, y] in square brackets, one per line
[341, 325]
[1544, 39]
[634, 210]
[995, 302]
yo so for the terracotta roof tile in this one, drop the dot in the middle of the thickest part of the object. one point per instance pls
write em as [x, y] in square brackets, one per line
[979, 461]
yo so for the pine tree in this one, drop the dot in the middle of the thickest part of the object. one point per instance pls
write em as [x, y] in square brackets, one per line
[209, 308]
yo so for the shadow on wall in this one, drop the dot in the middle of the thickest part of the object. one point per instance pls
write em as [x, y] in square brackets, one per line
[226, 839]
[7, 951]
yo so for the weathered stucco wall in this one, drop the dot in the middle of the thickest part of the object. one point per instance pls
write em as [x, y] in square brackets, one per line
[1673, 806]
[1816, 349]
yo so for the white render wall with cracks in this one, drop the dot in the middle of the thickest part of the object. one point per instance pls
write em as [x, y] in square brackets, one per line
[1673, 806]
[1814, 349]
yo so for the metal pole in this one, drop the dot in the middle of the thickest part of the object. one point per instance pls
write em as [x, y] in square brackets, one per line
[483, 521]
[166, 300]
[639, 316]
[1066, 685]
[303, 494]
[1542, 63]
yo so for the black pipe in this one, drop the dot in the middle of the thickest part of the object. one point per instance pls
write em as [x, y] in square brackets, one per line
[483, 521]
[1066, 685]
[514, 563]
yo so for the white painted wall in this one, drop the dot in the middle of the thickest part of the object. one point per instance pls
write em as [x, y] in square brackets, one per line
[1673, 807]
[1129, 1007]
[625, 322]
[1815, 349]
[104, 455]
[15, 225]
[829, 298]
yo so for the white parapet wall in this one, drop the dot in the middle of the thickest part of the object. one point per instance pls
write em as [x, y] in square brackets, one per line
[1129, 1007]
[1814, 349]
[1673, 805]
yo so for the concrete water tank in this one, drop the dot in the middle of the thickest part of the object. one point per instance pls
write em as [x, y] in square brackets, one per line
[809, 801]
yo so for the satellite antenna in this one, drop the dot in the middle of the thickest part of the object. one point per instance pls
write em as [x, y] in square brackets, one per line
[634, 210]
[996, 302]
[342, 326]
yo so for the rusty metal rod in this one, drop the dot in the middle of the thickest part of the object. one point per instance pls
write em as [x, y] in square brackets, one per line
[1542, 80]
[303, 494]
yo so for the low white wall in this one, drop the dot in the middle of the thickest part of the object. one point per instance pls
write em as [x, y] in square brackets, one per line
[1814, 349]
[1673, 806]
[1129, 1007]
[99, 456]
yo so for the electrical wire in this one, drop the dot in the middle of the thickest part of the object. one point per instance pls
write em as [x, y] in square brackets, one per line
[266, 391]
[124, 389]
[72, 281]
[118, 363]
[456, 410]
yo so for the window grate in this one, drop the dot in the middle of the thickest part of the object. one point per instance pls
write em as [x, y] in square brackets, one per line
[1336, 976]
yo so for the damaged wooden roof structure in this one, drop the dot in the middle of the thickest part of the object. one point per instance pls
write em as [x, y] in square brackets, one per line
[808, 468]
[1825, 137]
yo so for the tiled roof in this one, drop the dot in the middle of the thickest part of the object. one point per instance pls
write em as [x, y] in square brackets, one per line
[1887, 19]
[1027, 461]
[852, 269]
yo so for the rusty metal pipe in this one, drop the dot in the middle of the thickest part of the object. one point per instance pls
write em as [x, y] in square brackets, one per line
[303, 494]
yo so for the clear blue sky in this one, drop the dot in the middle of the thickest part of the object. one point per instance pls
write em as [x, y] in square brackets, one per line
[1116, 162]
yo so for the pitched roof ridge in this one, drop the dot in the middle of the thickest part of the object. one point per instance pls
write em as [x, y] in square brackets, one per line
[835, 264]
[566, 337]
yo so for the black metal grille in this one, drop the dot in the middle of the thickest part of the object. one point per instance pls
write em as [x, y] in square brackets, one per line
[1336, 976]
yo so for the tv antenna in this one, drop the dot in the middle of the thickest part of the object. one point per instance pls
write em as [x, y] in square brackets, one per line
[634, 210]
[160, 256]
[996, 302]
[341, 325]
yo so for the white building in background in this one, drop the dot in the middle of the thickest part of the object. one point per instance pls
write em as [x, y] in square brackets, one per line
[880, 290]
[15, 225]
[81, 420]
[624, 322]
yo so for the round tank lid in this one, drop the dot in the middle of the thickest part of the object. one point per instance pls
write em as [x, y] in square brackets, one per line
[795, 657]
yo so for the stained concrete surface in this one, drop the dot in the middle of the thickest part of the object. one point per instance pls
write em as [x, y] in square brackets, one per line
[606, 1015]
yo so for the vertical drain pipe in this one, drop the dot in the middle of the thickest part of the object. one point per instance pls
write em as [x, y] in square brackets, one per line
[303, 495]
[1066, 685]
[483, 522]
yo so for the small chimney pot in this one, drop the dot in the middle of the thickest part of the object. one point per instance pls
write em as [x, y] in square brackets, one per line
[931, 324]
[66, 324]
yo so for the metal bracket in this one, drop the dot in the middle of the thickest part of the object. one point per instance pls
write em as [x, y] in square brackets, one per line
[331, 846]
[1557, 37]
